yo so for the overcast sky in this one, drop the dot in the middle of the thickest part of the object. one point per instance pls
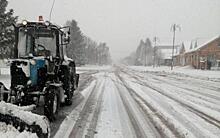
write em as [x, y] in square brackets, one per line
[123, 23]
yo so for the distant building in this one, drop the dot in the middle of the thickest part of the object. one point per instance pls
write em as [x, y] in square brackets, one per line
[165, 54]
[200, 55]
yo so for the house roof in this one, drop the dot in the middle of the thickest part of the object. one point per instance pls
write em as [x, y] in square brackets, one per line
[206, 43]
[189, 46]
[196, 44]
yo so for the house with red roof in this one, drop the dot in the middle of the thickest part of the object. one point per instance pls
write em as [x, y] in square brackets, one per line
[200, 55]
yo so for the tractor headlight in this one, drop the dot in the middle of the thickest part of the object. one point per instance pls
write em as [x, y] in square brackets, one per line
[29, 82]
[47, 23]
[24, 22]
[33, 62]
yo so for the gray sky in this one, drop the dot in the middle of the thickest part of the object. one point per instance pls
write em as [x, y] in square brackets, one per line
[122, 23]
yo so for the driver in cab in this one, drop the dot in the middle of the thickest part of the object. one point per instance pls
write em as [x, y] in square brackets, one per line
[40, 50]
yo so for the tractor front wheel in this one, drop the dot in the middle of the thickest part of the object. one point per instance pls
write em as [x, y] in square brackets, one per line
[52, 103]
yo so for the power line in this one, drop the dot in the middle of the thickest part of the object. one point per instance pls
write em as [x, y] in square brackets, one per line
[51, 10]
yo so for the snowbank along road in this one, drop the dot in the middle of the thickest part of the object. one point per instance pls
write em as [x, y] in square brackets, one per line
[122, 102]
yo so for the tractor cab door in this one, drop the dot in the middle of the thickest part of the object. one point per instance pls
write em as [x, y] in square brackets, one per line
[61, 47]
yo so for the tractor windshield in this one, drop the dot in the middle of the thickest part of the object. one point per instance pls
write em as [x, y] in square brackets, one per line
[37, 43]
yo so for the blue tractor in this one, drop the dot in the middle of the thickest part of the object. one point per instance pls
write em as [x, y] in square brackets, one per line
[41, 68]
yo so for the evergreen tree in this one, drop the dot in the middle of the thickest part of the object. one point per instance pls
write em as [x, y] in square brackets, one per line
[191, 45]
[76, 49]
[91, 51]
[84, 50]
[195, 46]
[6, 29]
[144, 53]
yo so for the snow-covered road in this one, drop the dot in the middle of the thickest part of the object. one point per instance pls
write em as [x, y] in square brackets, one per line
[129, 102]
[123, 102]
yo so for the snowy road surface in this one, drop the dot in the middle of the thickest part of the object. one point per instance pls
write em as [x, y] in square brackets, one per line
[123, 102]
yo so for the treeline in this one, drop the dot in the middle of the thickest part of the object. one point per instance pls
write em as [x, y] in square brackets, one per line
[145, 55]
[6, 30]
[81, 48]
[85, 50]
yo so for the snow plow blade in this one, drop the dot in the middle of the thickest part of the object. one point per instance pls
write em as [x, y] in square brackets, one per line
[24, 120]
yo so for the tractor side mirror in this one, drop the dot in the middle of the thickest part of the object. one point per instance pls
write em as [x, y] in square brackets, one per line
[67, 37]
[68, 32]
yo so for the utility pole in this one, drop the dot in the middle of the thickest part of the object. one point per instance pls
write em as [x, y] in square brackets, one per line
[155, 40]
[174, 28]
[145, 55]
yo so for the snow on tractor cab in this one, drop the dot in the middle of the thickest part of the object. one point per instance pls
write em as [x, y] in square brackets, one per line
[40, 67]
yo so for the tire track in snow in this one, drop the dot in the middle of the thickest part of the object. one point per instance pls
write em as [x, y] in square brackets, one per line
[84, 82]
[201, 114]
[113, 120]
[80, 125]
[213, 85]
[185, 88]
[67, 125]
[140, 132]
[209, 99]
[170, 121]
[91, 131]
[164, 127]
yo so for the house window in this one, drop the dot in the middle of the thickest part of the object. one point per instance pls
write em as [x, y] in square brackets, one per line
[218, 43]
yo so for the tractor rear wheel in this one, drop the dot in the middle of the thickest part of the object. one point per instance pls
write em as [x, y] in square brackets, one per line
[69, 94]
[70, 91]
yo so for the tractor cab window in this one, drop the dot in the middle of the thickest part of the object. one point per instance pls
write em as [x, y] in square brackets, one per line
[45, 46]
[22, 42]
[36, 42]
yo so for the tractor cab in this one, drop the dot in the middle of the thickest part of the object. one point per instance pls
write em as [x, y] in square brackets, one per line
[39, 39]
[39, 46]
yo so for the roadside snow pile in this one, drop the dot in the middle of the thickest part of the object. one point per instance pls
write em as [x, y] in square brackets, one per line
[186, 71]
[12, 114]
[8, 131]
[86, 68]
